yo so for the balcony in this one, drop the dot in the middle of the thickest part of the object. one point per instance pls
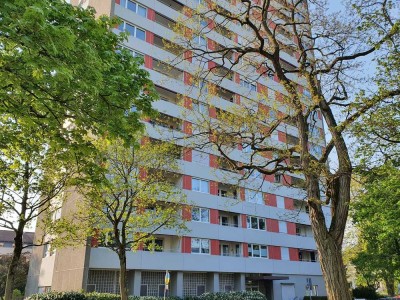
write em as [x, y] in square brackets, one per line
[167, 70]
[304, 230]
[175, 5]
[167, 121]
[225, 94]
[301, 206]
[168, 45]
[164, 21]
[167, 95]
[229, 219]
[230, 249]
[227, 191]
[164, 243]
[308, 255]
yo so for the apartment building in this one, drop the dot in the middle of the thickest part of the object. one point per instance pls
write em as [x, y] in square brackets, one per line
[255, 237]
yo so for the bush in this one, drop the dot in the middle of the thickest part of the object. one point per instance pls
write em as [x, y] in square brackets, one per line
[365, 292]
[104, 296]
[233, 296]
[315, 298]
[58, 296]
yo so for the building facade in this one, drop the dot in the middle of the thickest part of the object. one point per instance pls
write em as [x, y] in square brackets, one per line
[256, 237]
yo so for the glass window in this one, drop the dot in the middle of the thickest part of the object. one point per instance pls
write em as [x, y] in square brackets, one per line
[264, 252]
[200, 107]
[130, 28]
[261, 223]
[254, 197]
[201, 214]
[131, 5]
[256, 223]
[142, 11]
[140, 34]
[257, 250]
[205, 246]
[200, 157]
[200, 246]
[205, 215]
[195, 245]
[199, 185]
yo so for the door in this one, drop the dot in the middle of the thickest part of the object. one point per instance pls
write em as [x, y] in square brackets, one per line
[288, 291]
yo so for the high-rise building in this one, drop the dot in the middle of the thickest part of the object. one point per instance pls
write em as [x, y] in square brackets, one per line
[255, 237]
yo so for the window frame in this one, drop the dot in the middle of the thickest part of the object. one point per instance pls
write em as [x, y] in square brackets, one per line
[249, 223]
[251, 249]
[200, 210]
[122, 27]
[200, 185]
[202, 250]
[124, 4]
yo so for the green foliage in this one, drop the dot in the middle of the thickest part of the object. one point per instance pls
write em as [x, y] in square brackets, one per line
[104, 296]
[133, 194]
[365, 292]
[62, 80]
[233, 296]
[21, 273]
[375, 213]
[315, 298]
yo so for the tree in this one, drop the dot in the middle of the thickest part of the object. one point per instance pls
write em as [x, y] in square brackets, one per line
[134, 198]
[328, 48]
[375, 213]
[21, 273]
[62, 80]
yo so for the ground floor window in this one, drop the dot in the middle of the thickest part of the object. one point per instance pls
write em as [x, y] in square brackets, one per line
[194, 284]
[103, 281]
[152, 284]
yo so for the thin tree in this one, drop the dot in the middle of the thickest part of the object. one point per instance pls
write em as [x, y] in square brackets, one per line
[135, 198]
[319, 86]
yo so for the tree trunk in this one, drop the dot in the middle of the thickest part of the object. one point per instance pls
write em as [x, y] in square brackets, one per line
[122, 275]
[332, 266]
[389, 282]
[13, 266]
[329, 243]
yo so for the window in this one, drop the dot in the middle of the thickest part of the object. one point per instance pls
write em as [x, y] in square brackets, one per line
[200, 157]
[200, 107]
[246, 148]
[257, 250]
[248, 85]
[254, 197]
[280, 202]
[200, 246]
[200, 214]
[255, 223]
[278, 178]
[282, 227]
[133, 30]
[200, 185]
[200, 40]
[135, 7]
[285, 253]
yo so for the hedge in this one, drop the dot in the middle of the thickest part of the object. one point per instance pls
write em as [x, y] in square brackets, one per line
[103, 296]
[315, 298]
